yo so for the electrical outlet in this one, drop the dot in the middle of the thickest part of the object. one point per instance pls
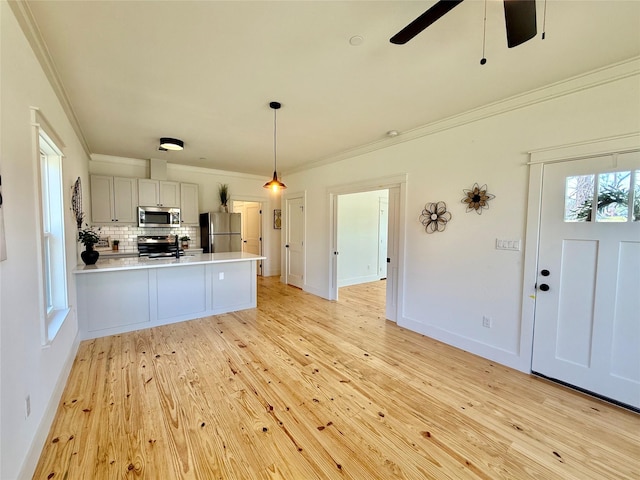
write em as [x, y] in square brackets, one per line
[486, 322]
[221, 276]
[27, 406]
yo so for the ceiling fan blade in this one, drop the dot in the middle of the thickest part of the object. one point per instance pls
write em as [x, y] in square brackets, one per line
[520, 20]
[424, 20]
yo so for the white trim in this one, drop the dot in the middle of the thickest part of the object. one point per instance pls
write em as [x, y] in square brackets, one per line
[46, 141]
[29, 26]
[37, 443]
[392, 181]
[600, 76]
[145, 163]
[587, 149]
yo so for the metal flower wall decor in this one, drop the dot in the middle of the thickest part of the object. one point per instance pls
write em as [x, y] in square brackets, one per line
[434, 217]
[477, 198]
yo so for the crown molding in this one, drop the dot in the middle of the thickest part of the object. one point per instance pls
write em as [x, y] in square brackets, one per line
[601, 76]
[138, 162]
[31, 31]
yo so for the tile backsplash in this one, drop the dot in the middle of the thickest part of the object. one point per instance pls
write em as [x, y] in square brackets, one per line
[128, 235]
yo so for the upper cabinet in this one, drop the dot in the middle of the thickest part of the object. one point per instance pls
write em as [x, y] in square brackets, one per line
[113, 199]
[158, 193]
[189, 211]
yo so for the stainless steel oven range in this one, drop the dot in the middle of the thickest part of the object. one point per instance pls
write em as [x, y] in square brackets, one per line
[154, 246]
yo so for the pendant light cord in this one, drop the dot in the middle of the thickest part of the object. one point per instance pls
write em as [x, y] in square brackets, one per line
[275, 139]
[483, 60]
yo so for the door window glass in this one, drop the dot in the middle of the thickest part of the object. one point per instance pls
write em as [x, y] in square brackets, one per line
[578, 198]
[613, 197]
[636, 196]
[615, 192]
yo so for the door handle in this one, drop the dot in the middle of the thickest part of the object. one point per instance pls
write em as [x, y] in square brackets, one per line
[544, 287]
[286, 246]
[545, 273]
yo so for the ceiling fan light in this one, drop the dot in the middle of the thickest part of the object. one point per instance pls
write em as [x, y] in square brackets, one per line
[171, 143]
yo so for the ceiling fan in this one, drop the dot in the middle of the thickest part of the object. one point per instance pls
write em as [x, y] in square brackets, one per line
[519, 15]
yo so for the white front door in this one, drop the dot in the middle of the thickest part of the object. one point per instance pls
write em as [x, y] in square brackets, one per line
[294, 242]
[587, 313]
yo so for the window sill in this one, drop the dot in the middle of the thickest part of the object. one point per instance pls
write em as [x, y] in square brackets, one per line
[54, 323]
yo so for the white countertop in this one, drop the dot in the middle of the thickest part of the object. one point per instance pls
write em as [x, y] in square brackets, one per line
[130, 263]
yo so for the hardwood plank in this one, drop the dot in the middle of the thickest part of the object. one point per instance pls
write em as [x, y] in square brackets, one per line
[303, 388]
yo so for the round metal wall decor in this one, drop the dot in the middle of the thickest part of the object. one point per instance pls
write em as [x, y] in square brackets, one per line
[434, 217]
[477, 198]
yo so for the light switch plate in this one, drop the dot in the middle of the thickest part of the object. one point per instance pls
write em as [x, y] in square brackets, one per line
[504, 244]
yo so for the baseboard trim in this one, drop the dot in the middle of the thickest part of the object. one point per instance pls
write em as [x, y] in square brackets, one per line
[40, 437]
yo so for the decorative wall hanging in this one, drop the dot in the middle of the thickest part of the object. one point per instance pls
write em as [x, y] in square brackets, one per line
[76, 202]
[277, 219]
[434, 217]
[477, 198]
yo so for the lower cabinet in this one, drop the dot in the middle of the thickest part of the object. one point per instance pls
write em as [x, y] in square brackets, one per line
[112, 302]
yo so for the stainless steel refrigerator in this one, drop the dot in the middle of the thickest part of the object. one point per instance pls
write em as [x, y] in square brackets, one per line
[220, 232]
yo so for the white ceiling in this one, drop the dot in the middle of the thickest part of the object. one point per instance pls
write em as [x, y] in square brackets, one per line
[205, 71]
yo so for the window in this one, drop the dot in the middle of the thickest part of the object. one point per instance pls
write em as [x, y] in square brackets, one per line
[54, 275]
[617, 197]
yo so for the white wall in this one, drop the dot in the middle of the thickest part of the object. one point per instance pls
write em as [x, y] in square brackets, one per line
[453, 278]
[358, 237]
[27, 367]
[241, 187]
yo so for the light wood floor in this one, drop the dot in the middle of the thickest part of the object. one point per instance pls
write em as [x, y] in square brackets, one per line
[303, 388]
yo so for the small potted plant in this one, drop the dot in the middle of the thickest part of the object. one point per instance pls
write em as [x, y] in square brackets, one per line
[115, 245]
[89, 237]
[185, 241]
[223, 193]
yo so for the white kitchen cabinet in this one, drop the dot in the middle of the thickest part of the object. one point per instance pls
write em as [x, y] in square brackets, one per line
[158, 193]
[189, 209]
[151, 293]
[113, 199]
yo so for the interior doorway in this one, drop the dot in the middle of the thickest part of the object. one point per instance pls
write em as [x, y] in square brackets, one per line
[388, 211]
[294, 251]
[251, 227]
[362, 238]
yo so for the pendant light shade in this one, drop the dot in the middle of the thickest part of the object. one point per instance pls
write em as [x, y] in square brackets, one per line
[275, 184]
[171, 143]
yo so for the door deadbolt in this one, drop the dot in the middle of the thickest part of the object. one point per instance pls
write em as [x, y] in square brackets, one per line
[545, 273]
[544, 287]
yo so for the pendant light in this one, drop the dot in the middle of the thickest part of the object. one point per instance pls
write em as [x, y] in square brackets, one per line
[275, 184]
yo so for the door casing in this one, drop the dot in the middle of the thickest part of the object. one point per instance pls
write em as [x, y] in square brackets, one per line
[396, 239]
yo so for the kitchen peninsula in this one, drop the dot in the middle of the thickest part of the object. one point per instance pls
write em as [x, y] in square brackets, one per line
[125, 294]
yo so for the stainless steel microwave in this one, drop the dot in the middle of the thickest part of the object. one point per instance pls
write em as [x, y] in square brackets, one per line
[158, 217]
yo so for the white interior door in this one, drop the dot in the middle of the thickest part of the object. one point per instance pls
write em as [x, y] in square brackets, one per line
[383, 235]
[294, 242]
[393, 253]
[587, 314]
[251, 228]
